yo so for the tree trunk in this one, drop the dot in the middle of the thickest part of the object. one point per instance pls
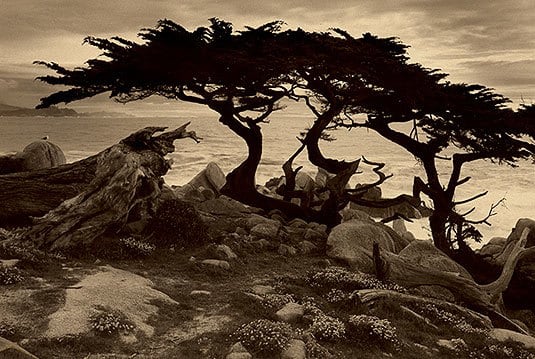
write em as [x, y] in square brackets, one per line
[127, 178]
[485, 298]
[32, 194]
[241, 182]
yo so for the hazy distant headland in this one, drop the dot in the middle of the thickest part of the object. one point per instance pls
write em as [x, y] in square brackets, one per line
[54, 111]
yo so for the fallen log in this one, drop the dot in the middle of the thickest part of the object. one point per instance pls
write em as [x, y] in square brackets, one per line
[32, 194]
[486, 299]
[123, 179]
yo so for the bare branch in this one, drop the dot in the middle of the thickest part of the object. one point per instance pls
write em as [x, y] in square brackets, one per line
[471, 198]
[490, 214]
[463, 181]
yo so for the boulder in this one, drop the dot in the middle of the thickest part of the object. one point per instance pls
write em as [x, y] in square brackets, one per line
[314, 235]
[306, 247]
[224, 206]
[254, 219]
[260, 289]
[352, 242]
[216, 263]
[296, 350]
[425, 254]
[225, 252]
[268, 230]
[350, 213]
[10, 350]
[287, 251]
[41, 154]
[493, 248]
[37, 155]
[322, 177]
[505, 335]
[238, 351]
[291, 312]
[208, 182]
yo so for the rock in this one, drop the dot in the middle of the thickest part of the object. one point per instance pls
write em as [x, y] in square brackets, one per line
[237, 348]
[245, 355]
[255, 219]
[350, 213]
[297, 223]
[238, 351]
[268, 230]
[10, 350]
[408, 237]
[240, 231]
[210, 179]
[304, 182]
[207, 193]
[306, 247]
[286, 250]
[277, 217]
[425, 254]
[291, 312]
[493, 248]
[41, 154]
[322, 176]
[262, 289]
[9, 263]
[452, 344]
[504, 335]
[314, 235]
[216, 263]
[398, 225]
[352, 242]
[200, 293]
[224, 206]
[296, 350]
[261, 244]
[224, 251]
[129, 293]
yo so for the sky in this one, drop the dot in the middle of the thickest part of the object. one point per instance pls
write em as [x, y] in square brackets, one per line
[490, 42]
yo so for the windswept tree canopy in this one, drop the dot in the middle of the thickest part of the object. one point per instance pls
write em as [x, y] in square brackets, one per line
[345, 82]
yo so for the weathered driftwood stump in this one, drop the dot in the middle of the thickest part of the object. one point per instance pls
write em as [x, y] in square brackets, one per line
[486, 299]
[105, 188]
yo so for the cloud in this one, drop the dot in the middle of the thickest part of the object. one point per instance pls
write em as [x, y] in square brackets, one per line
[449, 34]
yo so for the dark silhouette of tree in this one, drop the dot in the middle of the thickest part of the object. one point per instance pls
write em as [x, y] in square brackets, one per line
[239, 75]
[243, 75]
[439, 117]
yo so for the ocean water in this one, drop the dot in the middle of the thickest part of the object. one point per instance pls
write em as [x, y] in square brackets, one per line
[81, 137]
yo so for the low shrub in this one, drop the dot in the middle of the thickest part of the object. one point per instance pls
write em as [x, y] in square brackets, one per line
[108, 322]
[327, 328]
[135, 248]
[274, 302]
[443, 316]
[345, 280]
[9, 275]
[177, 223]
[374, 329]
[264, 336]
[7, 330]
